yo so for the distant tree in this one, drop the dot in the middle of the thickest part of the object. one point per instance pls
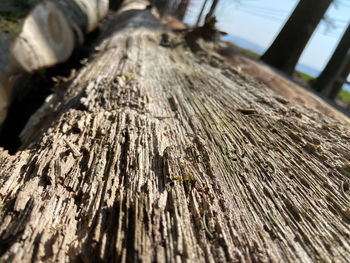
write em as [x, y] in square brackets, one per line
[342, 78]
[201, 13]
[211, 11]
[326, 80]
[288, 46]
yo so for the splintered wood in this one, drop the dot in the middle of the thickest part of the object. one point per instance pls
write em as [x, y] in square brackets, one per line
[158, 154]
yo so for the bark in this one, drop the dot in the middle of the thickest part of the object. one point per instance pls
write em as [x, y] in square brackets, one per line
[288, 46]
[330, 73]
[342, 79]
[40, 34]
[154, 153]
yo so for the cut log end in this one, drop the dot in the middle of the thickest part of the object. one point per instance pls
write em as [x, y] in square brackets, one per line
[46, 39]
[94, 10]
[43, 37]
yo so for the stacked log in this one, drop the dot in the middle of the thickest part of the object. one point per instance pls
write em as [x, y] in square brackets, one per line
[43, 35]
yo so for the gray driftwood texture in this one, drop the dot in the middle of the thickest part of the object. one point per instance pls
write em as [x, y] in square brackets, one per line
[154, 153]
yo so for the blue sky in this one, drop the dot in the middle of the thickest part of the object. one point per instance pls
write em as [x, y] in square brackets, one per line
[260, 21]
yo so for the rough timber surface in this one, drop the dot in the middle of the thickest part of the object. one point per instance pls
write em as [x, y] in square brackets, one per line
[151, 143]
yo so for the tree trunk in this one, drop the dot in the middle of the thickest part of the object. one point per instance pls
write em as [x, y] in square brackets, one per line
[211, 10]
[342, 79]
[155, 153]
[330, 73]
[39, 35]
[201, 13]
[288, 46]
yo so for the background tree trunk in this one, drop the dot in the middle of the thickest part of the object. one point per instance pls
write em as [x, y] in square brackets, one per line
[288, 46]
[154, 153]
[342, 78]
[330, 73]
[211, 10]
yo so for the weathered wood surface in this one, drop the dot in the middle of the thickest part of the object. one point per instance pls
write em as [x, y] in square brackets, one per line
[148, 139]
[40, 34]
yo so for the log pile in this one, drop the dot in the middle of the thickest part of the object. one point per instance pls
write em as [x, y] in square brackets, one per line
[43, 35]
